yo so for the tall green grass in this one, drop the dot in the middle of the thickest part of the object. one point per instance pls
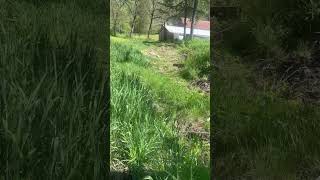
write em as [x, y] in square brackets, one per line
[175, 94]
[52, 90]
[258, 134]
[197, 64]
[144, 139]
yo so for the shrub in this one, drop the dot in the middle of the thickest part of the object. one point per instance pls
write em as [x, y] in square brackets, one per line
[198, 58]
[125, 53]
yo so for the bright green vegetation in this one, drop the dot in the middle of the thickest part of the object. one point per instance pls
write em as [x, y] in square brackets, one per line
[197, 64]
[148, 112]
[52, 90]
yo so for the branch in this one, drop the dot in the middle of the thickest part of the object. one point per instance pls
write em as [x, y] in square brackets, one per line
[156, 17]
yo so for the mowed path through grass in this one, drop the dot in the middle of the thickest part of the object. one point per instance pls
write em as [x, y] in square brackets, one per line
[163, 77]
[159, 137]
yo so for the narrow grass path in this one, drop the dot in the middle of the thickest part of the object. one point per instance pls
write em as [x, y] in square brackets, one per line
[163, 77]
[161, 110]
[166, 58]
[189, 104]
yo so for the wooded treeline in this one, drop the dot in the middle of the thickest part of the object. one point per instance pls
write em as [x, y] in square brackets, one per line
[146, 16]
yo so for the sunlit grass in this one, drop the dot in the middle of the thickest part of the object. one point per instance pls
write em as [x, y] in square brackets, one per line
[145, 107]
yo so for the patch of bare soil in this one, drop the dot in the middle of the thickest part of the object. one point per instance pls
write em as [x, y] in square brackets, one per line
[194, 129]
[163, 51]
[179, 65]
[169, 58]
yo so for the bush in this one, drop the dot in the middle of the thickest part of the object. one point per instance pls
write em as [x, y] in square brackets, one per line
[197, 64]
[125, 53]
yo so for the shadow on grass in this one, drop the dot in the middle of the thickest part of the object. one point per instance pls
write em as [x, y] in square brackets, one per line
[117, 175]
[150, 42]
[172, 43]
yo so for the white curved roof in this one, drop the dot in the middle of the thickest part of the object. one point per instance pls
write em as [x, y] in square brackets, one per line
[180, 30]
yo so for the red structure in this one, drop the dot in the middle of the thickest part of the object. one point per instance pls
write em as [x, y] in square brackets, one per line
[203, 25]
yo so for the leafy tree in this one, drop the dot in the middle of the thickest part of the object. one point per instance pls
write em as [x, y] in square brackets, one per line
[143, 16]
[194, 10]
[153, 13]
[117, 15]
[174, 10]
[132, 6]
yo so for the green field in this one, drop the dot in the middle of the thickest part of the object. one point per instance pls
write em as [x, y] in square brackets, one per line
[151, 110]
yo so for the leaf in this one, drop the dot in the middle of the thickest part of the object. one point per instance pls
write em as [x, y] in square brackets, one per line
[148, 178]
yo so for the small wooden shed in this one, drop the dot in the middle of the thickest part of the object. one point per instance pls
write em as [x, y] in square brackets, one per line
[164, 34]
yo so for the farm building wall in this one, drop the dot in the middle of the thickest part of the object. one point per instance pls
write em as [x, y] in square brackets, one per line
[171, 33]
[161, 34]
[165, 35]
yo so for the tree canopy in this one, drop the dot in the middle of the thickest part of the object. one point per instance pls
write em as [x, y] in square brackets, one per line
[146, 16]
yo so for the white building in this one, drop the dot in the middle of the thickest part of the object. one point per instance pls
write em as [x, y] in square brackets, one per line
[170, 32]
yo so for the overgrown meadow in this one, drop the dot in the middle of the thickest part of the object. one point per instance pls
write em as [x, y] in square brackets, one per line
[259, 134]
[146, 108]
[265, 103]
[53, 87]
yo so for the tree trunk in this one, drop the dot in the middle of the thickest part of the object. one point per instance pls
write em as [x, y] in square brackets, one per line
[115, 28]
[195, 5]
[150, 25]
[132, 25]
[185, 19]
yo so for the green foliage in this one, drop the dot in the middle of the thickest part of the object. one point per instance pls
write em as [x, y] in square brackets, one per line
[95, 6]
[119, 16]
[264, 135]
[181, 98]
[143, 16]
[270, 25]
[125, 53]
[51, 87]
[261, 133]
[197, 64]
[144, 136]
[303, 50]
[142, 9]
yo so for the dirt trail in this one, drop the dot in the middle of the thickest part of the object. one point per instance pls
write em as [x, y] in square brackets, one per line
[169, 61]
